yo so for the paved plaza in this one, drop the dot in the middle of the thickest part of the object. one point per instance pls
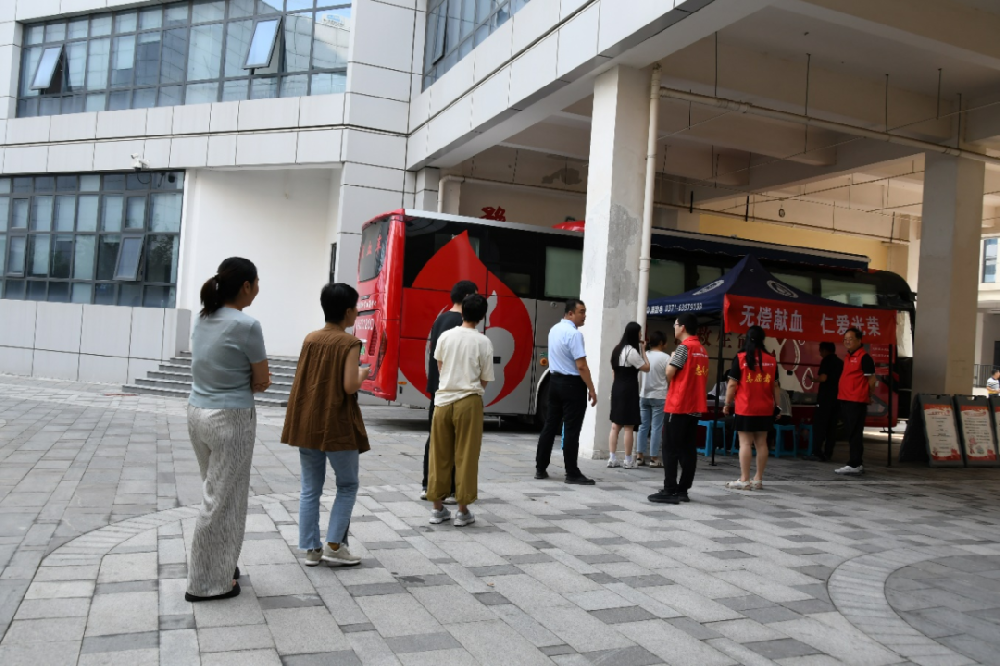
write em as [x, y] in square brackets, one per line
[98, 495]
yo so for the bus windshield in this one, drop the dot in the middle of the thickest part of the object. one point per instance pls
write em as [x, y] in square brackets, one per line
[374, 239]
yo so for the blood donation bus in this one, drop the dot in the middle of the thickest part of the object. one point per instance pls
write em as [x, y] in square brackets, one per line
[410, 259]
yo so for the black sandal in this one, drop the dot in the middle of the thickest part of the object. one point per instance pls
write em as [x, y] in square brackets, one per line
[235, 592]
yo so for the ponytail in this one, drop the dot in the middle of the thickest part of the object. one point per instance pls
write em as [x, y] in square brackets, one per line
[754, 347]
[224, 286]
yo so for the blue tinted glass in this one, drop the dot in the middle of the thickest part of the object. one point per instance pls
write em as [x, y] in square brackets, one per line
[262, 44]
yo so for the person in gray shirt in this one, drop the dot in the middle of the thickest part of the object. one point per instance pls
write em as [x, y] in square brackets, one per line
[229, 365]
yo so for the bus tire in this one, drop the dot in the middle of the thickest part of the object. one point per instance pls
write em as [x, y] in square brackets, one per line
[542, 406]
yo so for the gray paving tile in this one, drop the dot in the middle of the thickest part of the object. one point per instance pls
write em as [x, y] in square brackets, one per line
[628, 656]
[621, 615]
[290, 601]
[695, 629]
[356, 628]
[121, 642]
[781, 648]
[498, 570]
[554, 650]
[372, 589]
[176, 622]
[340, 658]
[422, 643]
[771, 614]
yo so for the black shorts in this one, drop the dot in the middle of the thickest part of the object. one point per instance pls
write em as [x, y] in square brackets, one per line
[754, 423]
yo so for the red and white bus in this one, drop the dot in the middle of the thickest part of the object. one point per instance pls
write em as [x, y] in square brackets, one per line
[410, 259]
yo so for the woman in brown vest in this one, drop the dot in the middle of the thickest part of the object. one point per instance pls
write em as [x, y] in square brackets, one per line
[324, 421]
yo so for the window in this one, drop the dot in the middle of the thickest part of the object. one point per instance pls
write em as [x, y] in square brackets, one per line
[803, 283]
[563, 269]
[851, 293]
[110, 238]
[455, 27]
[990, 260]
[666, 278]
[187, 52]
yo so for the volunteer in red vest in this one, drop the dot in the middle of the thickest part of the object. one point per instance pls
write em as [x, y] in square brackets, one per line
[857, 382]
[752, 394]
[687, 376]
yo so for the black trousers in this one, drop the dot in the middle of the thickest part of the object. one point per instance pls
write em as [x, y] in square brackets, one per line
[825, 428]
[427, 448]
[567, 405]
[854, 415]
[680, 445]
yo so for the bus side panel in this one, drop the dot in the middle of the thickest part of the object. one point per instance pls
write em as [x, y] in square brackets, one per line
[411, 395]
[381, 302]
[513, 352]
[420, 306]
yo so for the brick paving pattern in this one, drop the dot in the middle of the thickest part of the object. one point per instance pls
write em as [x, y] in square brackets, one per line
[98, 497]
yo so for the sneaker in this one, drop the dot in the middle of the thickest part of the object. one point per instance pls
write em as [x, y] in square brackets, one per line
[313, 557]
[341, 557]
[663, 497]
[438, 517]
[851, 471]
[682, 495]
[614, 462]
[739, 485]
[450, 499]
[579, 480]
[423, 494]
[655, 463]
[629, 463]
[541, 474]
[463, 519]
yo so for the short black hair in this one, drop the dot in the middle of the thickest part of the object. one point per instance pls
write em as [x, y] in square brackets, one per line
[336, 300]
[689, 322]
[572, 304]
[474, 308]
[461, 289]
[856, 331]
[995, 371]
[828, 347]
[657, 338]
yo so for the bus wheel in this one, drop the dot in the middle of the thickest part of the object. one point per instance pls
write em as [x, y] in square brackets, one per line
[542, 406]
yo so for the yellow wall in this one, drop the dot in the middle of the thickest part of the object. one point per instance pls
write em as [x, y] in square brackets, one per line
[774, 233]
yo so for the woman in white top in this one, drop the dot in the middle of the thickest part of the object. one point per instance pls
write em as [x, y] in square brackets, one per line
[628, 359]
[652, 396]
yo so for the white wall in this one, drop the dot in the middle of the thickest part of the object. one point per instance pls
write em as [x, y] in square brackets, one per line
[88, 343]
[521, 205]
[278, 219]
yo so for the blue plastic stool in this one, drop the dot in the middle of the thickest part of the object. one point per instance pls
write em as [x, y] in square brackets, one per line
[709, 436]
[562, 440]
[779, 440]
[807, 427]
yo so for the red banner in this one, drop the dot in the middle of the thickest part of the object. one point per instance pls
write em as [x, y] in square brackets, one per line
[815, 323]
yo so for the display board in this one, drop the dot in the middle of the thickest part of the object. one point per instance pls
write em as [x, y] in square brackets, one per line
[943, 445]
[976, 425]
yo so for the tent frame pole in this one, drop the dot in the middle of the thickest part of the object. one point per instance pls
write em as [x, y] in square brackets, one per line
[718, 379]
[889, 382]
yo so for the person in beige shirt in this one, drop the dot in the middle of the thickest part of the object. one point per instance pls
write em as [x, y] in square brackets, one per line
[465, 360]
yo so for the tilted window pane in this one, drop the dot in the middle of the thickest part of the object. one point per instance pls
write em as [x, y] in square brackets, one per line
[238, 35]
[38, 255]
[165, 212]
[204, 11]
[262, 44]
[19, 218]
[298, 41]
[147, 59]
[173, 56]
[62, 256]
[83, 258]
[46, 68]
[98, 51]
[333, 38]
[111, 216]
[65, 213]
[86, 219]
[107, 256]
[123, 61]
[15, 257]
[76, 60]
[205, 52]
[128, 259]
[161, 258]
[31, 59]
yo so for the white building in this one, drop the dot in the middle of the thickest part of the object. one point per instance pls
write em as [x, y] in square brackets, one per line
[272, 129]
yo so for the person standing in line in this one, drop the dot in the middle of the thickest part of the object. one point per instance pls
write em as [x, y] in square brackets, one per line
[324, 422]
[651, 399]
[228, 365]
[628, 359]
[857, 382]
[686, 402]
[570, 386]
[752, 394]
[993, 383]
[825, 421]
[464, 357]
[445, 321]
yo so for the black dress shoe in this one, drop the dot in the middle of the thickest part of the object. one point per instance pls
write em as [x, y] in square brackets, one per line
[683, 496]
[235, 592]
[541, 474]
[579, 480]
[663, 497]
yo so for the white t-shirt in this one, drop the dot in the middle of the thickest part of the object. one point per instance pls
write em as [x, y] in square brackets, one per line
[993, 385]
[654, 382]
[466, 357]
[630, 357]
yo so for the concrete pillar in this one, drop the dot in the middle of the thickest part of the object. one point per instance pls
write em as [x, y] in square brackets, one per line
[912, 274]
[426, 184]
[614, 222]
[945, 340]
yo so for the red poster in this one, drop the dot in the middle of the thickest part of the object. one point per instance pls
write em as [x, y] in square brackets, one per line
[785, 319]
[977, 432]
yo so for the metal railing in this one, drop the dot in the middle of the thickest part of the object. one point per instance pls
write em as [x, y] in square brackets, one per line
[981, 373]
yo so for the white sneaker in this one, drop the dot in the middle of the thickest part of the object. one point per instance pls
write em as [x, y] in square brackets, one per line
[438, 517]
[851, 471]
[740, 485]
[614, 462]
[463, 519]
[423, 494]
[629, 463]
[313, 557]
[341, 557]
[450, 500]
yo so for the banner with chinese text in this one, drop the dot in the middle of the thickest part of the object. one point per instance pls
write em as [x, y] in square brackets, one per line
[802, 321]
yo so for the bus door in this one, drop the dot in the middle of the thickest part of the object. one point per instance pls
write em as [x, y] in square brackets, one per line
[379, 282]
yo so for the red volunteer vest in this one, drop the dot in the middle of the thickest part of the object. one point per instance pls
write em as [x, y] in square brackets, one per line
[687, 393]
[853, 385]
[755, 392]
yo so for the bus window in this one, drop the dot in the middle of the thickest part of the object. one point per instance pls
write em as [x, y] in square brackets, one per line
[800, 282]
[374, 238]
[440, 240]
[512, 258]
[850, 293]
[708, 274]
[563, 268]
[666, 278]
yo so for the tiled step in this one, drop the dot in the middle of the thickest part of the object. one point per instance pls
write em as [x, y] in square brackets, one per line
[173, 378]
[184, 393]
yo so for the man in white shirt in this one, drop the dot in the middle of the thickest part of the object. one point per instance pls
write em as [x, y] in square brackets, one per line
[465, 360]
[652, 395]
[993, 383]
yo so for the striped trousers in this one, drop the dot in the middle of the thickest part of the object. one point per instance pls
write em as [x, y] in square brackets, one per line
[223, 441]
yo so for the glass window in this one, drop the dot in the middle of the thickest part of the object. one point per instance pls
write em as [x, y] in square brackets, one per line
[38, 255]
[46, 68]
[666, 278]
[41, 214]
[135, 213]
[111, 214]
[205, 53]
[62, 256]
[851, 293]
[800, 282]
[3, 252]
[262, 44]
[165, 213]
[161, 258]
[708, 275]
[19, 218]
[129, 255]
[15, 260]
[298, 41]
[83, 258]
[147, 59]
[332, 40]
[990, 260]
[238, 35]
[563, 268]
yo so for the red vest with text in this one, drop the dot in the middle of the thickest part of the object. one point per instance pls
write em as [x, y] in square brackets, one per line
[853, 385]
[755, 393]
[687, 393]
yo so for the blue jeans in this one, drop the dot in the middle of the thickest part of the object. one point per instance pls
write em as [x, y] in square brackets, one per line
[345, 468]
[651, 411]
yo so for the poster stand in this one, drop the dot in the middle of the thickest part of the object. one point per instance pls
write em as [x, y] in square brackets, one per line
[976, 426]
[932, 435]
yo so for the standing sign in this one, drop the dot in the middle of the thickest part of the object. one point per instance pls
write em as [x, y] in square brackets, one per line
[978, 442]
[944, 449]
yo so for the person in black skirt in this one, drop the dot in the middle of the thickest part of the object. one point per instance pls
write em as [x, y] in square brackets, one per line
[752, 394]
[628, 359]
